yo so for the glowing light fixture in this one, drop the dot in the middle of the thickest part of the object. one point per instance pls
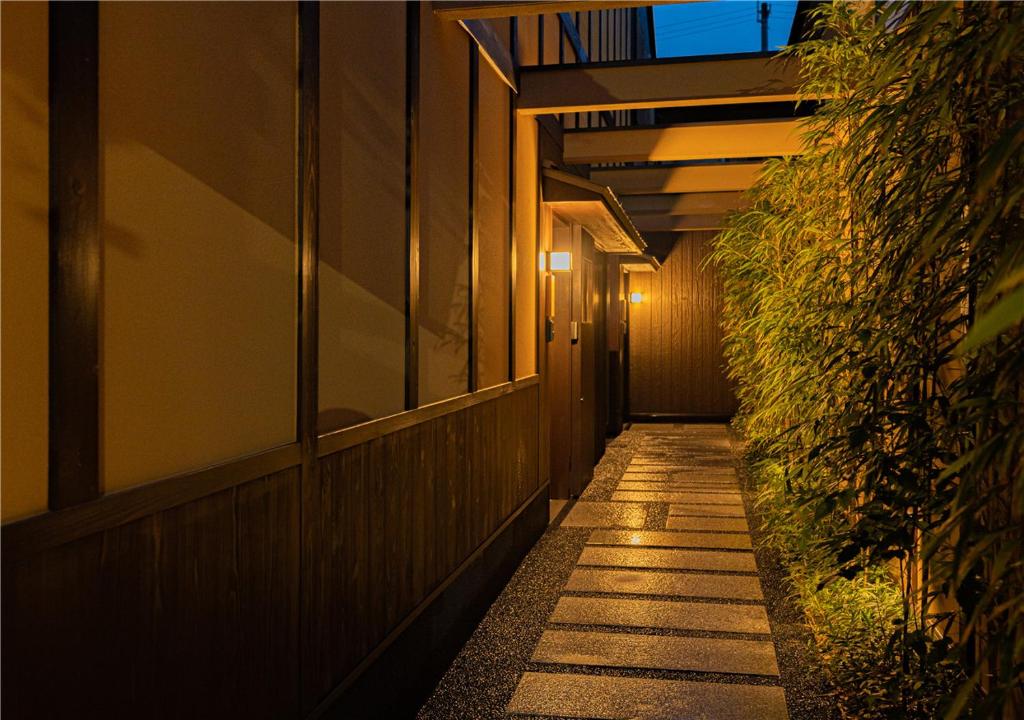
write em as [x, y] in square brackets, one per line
[636, 298]
[560, 262]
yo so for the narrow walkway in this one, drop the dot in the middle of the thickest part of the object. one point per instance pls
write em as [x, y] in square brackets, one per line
[645, 602]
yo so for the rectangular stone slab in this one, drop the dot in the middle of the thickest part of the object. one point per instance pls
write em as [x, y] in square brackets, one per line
[653, 486]
[628, 557]
[703, 476]
[678, 497]
[654, 468]
[605, 514]
[707, 524]
[670, 539]
[616, 698]
[687, 496]
[640, 582]
[657, 652]
[628, 475]
[731, 511]
[661, 614]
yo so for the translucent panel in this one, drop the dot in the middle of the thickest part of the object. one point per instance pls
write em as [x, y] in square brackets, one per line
[528, 31]
[552, 32]
[493, 218]
[444, 208]
[526, 247]
[25, 258]
[362, 212]
[198, 326]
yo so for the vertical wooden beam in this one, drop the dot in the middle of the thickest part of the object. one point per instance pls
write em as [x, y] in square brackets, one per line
[412, 203]
[514, 32]
[627, 341]
[561, 41]
[308, 206]
[74, 254]
[472, 310]
[307, 203]
[540, 39]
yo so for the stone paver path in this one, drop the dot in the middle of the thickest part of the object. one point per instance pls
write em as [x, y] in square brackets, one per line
[662, 622]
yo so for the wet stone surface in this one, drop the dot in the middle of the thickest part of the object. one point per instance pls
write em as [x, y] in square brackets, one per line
[668, 559]
[678, 496]
[707, 524]
[605, 514]
[656, 652]
[661, 614]
[670, 539]
[670, 621]
[588, 696]
[728, 511]
[640, 582]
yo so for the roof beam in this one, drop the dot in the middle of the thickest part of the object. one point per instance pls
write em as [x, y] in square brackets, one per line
[701, 203]
[676, 82]
[477, 10]
[692, 141]
[493, 49]
[712, 177]
[677, 223]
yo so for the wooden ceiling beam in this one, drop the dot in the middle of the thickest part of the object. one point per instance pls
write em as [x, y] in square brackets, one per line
[674, 82]
[691, 141]
[712, 177]
[677, 223]
[700, 203]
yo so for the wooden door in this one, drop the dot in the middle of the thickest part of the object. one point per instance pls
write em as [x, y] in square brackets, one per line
[583, 349]
[559, 372]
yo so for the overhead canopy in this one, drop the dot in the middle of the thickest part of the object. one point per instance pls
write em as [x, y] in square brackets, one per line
[679, 222]
[710, 177]
[699, 203]
[644, 263]
[690, 141]
[670, 82]
[493, 49]
[596, 208]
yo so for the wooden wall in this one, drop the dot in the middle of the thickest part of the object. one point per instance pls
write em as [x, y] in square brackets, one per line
[675, 340]
[262, 598]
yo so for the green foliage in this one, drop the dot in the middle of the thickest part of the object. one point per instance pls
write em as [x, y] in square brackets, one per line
[874, 296]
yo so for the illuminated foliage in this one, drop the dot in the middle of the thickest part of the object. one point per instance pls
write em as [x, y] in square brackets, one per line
[874, 301]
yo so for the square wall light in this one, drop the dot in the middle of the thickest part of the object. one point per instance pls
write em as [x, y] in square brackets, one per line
[636, 298]
[560, 262]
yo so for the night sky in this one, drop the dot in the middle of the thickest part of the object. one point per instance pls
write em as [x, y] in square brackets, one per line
[720, 26]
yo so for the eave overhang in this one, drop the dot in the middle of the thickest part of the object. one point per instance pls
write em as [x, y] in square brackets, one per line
[596, 208]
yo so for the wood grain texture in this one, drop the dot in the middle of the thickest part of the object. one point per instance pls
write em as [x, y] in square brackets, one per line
[74, 254]
[189, 612]
[676, 365]
[399, 514]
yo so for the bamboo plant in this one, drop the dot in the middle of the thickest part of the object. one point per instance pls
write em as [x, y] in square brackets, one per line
[874, 298]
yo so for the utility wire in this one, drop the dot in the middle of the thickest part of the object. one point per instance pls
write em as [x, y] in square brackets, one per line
[700, 31]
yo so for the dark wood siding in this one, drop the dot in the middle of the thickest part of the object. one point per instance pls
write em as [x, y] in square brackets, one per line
[188, 612]
[194, 607]
[398, 515]
[675, 346]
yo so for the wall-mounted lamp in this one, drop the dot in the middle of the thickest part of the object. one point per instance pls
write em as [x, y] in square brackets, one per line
[560, 262]
[551, 263]
[636, 298]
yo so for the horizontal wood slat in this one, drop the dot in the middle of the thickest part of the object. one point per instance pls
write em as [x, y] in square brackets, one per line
[38, 533]
[187, 592]
[191, 611]
[400, 512]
